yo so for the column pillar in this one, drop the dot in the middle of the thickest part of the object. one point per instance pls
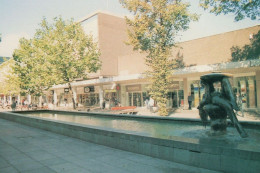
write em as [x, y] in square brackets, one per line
[40, 101]
[55, 99]
[4, 99]
[258, 88]
[19, 99]
[74, 94]
[186, 90]
[101, 96]
[10, 99]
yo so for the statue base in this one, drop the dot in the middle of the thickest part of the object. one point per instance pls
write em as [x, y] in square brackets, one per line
[218, 127]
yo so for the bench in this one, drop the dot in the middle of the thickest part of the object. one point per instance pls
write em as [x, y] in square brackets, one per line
[122, 108]
[128, 111]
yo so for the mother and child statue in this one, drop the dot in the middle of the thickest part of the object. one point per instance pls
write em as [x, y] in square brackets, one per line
[219, 105]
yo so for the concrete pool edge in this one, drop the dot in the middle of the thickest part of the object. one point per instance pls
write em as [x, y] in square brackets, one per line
[246, 124]
[178, 149]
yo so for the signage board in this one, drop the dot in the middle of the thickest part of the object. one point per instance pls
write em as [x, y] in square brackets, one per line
[132, 88]
[89, 89]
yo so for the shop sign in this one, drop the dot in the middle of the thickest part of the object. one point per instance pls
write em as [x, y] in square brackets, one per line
[174, 86]
[66, 90]
[110, 91]
[132, 88]
[89, 89]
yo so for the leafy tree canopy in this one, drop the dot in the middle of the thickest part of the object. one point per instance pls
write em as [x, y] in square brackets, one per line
[9, 81]
[153, 30]
[247, 52]
[241, 8]
[58, 53]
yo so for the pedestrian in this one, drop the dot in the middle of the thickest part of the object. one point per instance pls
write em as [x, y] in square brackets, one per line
[151, 104]
[13, 105]
[189, 101]
[147, 102]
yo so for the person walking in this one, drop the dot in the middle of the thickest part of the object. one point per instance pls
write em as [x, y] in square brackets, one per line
[189, 101]
[13, 105]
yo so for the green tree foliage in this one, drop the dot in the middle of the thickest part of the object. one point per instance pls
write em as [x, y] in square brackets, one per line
[241, 8]
[247, 52]
[32, 66]
[59, 53]
[179, 60]
[9, 81]
[153, 30]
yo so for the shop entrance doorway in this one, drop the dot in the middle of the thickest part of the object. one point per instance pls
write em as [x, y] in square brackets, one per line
[136, 99]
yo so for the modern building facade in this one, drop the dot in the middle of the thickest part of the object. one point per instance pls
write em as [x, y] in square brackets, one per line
[121, 78]
[121, 81]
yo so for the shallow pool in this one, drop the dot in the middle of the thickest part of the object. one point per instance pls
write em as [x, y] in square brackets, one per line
[154, 128]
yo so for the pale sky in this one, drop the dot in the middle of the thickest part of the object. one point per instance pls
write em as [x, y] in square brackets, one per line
[21, 18]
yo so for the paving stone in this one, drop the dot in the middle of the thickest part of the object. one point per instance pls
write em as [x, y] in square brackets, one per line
[3, 163]
[64, 167]
[26, 166]
[40, 155]
[26, 149]
[39, 170]
[8, 170]
[53, 161]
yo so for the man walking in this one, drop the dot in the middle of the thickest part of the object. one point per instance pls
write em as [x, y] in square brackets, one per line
[189, 101]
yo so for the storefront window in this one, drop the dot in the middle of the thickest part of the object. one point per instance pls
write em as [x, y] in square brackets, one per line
[245, 87]
[136, 99]
[90, 99]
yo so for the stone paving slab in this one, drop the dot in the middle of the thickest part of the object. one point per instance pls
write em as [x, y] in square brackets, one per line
[24, 149]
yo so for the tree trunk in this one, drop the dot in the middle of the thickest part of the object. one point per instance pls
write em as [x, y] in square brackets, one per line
[73, 100]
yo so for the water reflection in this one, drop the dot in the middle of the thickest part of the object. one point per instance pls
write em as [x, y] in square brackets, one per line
[163, 129]
[160, 129]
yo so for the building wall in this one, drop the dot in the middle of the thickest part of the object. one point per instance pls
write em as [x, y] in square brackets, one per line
[112, 38]
[214, 49]
[120, 59]
[131, 64]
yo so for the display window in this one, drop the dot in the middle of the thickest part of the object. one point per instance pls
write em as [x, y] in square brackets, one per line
[136, 98]
[245, 89]
[90, 99]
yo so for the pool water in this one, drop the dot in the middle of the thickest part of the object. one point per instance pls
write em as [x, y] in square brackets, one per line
[159, 128]
[156, 128]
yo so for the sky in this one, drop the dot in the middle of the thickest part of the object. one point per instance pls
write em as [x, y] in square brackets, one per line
[21, 18]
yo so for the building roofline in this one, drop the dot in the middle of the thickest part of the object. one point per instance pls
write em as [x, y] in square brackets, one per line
[96, 13]
[218, 34]
[183, 71]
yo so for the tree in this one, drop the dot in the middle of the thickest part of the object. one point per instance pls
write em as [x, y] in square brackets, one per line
[247, 52]
[9, 81]
[59, 53]
[179, 60]
[153, 30]
[241, 8]
[32, 66]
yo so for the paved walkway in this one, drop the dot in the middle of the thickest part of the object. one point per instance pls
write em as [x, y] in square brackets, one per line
[30, 150]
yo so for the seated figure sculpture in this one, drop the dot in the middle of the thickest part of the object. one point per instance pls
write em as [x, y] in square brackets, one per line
[219, 105]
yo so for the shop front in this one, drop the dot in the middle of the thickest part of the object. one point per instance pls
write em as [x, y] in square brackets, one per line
[175, 98]
[88, 96]
[245, 89]
[111, 96]
[64, 97]
[136, 95]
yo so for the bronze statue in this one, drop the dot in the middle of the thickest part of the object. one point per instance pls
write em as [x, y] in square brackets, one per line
[219, 105]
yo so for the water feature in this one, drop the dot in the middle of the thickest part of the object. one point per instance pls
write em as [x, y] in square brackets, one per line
[160, 128]
[177, 140]
[164, 128]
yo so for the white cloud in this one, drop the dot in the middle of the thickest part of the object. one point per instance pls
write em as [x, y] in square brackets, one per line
[10, 42]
